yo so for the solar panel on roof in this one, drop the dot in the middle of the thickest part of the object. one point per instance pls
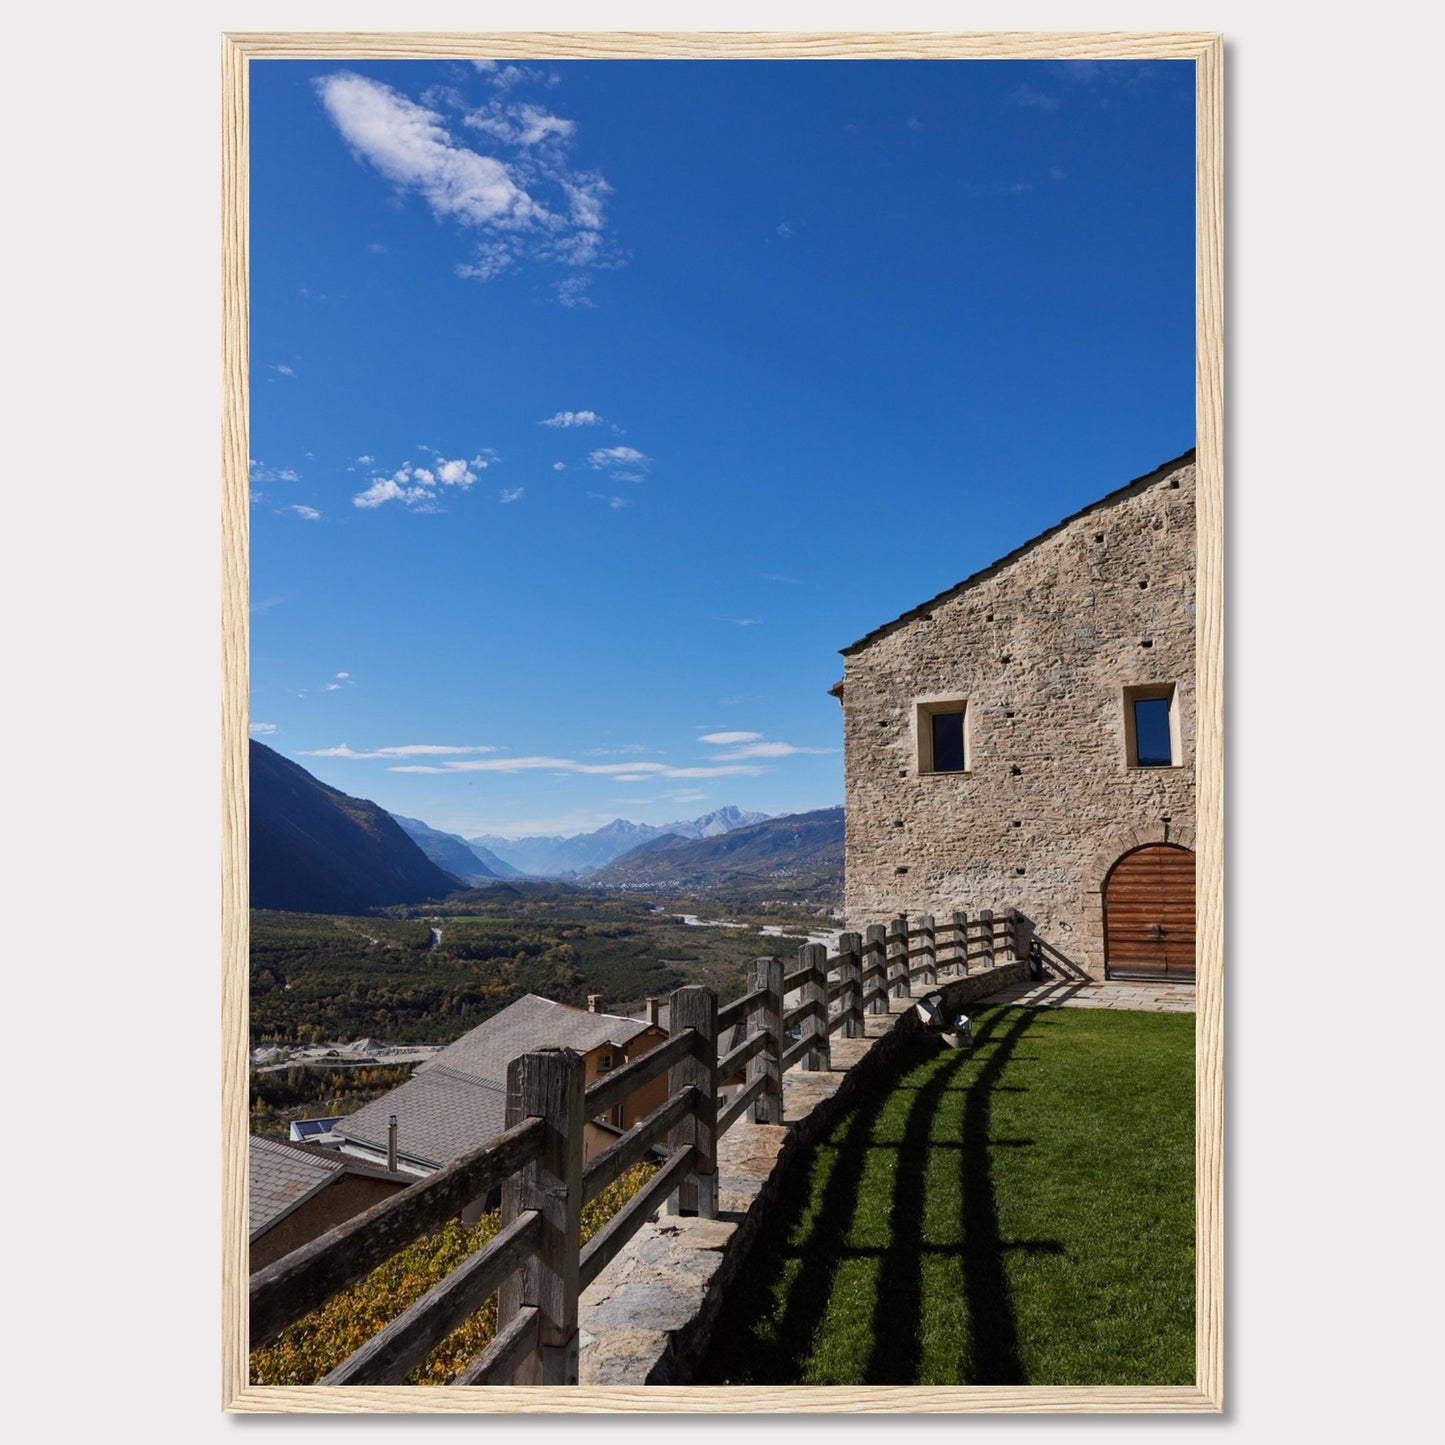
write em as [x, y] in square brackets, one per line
[310, 1128]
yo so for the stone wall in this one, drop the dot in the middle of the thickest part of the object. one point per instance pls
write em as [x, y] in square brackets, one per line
[1042, 646]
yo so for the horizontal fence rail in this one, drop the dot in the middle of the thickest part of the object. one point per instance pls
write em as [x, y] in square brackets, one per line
[535, 1264]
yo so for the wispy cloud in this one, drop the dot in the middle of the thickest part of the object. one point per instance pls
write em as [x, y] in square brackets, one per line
[510, 494]
[417, 486]
[1031, 98]
[406, 750]
[260, 472]
[572, 418]
[559, 466]
[616, 503]
[262, 730]
[618, 771]
[624, 464]
[283, 369]
[307, 514]
[741, 746]
[519, 195]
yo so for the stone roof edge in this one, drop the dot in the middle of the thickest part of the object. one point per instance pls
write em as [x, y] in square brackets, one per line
[1118, 494]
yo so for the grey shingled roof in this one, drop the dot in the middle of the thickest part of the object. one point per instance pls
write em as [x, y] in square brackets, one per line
[284, 1175]
[459, 1101]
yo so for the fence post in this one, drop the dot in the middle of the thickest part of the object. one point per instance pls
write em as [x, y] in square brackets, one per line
[814, 957]
[875, 970]
[696, 1008]
[768, 1014]
[850, 969]
[898, 984]
[1011, 935]
[928, 950]
[548, 1085]
[985, 918]
[960, 942]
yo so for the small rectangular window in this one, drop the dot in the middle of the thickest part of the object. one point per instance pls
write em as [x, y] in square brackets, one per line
[941, 732]
[1151, 733]
[947, 742]
[604, 1063]
[1151, 726]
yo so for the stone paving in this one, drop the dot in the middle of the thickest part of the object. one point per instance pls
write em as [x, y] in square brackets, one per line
[1176, 998]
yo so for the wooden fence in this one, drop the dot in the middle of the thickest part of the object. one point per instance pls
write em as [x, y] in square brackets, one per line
[535, 1264]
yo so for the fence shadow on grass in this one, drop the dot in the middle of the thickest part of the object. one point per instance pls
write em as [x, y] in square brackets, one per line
[761, 1339]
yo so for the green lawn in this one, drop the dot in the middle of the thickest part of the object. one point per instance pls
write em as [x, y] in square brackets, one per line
[1019, 1214]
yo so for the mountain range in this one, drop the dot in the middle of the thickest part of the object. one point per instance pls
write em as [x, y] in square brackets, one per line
[469, 861]
[544, 856]
[798, 858]
[315, 849]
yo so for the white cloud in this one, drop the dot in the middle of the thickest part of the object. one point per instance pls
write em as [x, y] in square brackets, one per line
[309, 514]
[572, 418]
[627, 464]
[572, 292]
[519, 190]
[262, 730]
[283, 369]
[616, 503]
[411, 147]
[510, 494]
[559, 466]
[416, 486]
[785, 230]
[333, 687]
[343, 675]
[725, 739]
[260, 472]
[768, 750]
[618, 772]
[407, 750]
[524, 124]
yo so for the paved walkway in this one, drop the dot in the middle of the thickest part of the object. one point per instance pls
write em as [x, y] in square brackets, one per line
[1175, 998]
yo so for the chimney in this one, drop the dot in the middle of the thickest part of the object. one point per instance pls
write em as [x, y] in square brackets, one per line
[594, 1003]
[391, 1142]
[652, 1010]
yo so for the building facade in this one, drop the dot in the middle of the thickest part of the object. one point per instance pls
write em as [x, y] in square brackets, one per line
[1026, 740]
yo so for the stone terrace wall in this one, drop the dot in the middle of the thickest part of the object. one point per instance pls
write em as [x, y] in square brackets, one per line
[1042, 646]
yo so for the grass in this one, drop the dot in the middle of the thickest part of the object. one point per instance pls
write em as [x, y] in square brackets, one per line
[1019, 1214]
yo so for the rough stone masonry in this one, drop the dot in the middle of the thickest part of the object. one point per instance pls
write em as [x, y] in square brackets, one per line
[1044, 653]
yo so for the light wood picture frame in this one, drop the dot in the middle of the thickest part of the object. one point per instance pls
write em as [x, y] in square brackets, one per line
[1206, 51]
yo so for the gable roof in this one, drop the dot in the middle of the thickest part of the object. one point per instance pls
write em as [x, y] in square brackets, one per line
[1117, 495]
[459, 1101]
[283, 1176]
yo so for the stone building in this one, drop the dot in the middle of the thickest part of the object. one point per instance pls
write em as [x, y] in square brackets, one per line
[1026, 739]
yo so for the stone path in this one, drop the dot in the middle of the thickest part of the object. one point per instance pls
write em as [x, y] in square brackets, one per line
[1065, 993]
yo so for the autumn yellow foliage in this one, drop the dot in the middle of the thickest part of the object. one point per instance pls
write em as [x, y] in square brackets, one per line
[317, 1343]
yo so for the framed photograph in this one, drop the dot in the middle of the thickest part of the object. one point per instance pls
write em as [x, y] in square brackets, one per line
[723, 722]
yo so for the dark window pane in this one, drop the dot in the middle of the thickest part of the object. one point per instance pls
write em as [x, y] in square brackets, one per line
[1151, 732]
[948, 742]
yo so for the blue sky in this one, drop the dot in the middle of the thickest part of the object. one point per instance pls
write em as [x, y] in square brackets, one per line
[595, 406]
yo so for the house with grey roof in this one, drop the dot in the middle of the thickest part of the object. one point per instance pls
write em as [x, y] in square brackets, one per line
[457, 1102]
[298, 1192]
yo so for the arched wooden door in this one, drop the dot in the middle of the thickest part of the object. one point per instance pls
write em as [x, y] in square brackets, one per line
[1149, 914]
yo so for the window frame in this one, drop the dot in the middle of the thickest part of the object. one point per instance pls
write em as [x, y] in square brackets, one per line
[925, 709]
[1151, 692]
